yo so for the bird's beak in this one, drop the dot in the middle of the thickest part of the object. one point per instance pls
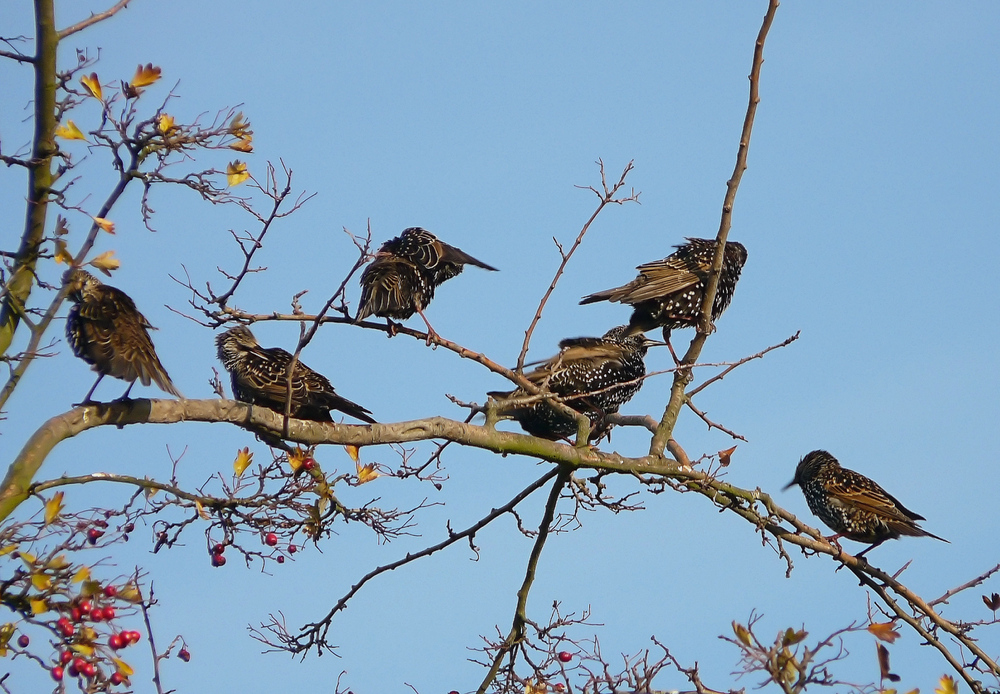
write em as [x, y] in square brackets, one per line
[655, 343]
[789, 485]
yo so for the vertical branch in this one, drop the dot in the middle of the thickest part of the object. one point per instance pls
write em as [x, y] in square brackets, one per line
[39, 172]
[682, 376]
[516, 634]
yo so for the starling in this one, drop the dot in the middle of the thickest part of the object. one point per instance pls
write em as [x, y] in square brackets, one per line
[406, 270]
[852, 505]
[593, 375]
[260, 378]
[106, 330]
[669, 292]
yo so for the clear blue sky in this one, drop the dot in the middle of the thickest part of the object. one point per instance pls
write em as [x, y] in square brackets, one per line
[865, 211]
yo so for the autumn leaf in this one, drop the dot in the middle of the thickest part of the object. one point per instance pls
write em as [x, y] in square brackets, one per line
[105, 224]
[792, 637]
[53, 507]
[741, 633]
[165, 123]
[41, 581]
[243, 459]
[106, 262]
[92, 85]
[69, 132]
[145, 75]
[62, 255]
[8, 549]
[61, 227]
[242, 145]
[240, 128]
[39, 606]
[57, 563]
[202, 513]
[884, 632]
[130, 593]
[28, 558]
[947, 685]
[236, 173]
[123, 667]
[90, 588]
[726, 455]
[366, 473]
[532, 688]
[81, 575]
[84, 649]
[992, 602]
[297, 457]
[354, 452]
[883, 663]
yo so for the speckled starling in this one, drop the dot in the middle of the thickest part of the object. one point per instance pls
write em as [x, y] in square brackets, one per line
[593, 375]
[852, 505]
[669, 292]
[106, 330]
[406, 270]
[260, 377]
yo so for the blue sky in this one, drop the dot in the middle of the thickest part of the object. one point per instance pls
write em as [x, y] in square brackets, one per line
[865, 211]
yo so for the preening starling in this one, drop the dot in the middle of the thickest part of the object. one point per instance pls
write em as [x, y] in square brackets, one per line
[406, 270]
[852, 505]
[669, 292]
[260, 377]
[106, 330]
[593, 375]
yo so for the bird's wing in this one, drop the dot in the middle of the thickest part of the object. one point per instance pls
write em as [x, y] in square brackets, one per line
[387, 286]
[858, 491]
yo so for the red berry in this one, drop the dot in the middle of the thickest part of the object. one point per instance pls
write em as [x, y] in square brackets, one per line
[219, 549]
[115, 641]
[292, 549]
[97, 615]
[65, 657]
[84, 606]
[72, 671]
[281, 559]
[110, 591]
[74, 613]
[109, 612]
[116, 678]
[87, 670]
[93, 535]
[133, 636]
[559, 687]
[23, 640]
[65, 627]
[57, 673]
[309, 464]
[565, 656]
[184, 654]
[218, 560]
[101, 523]
[271, 540]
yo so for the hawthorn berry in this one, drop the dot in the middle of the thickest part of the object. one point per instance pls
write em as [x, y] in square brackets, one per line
[116, 678]
[65, 657]
[271, 540]
[57, 673]
[565, 656]
[87, 670]
[110, 591]
[218, 560]
[84, 606]
[23, 640]
[219, 548]
[184, 654]
[280, 559]
[292, 549]
[109, 612]
[115, 642]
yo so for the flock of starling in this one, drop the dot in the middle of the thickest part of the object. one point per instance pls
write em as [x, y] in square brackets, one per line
[593, 376]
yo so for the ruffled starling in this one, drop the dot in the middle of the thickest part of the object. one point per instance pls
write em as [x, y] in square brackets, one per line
[669, 292]
[260, 377]
[852, 505]
[106, 330]
[406, 270]
[593, 375]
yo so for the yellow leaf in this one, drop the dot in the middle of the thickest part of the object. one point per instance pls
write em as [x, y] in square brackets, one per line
[145, 75]
[6, 631]
[82, 575]
[354, 452]
[90, 588]
[240, 128]
[69, 132]
[297, 457]
[165, 124]
[105, 224]
[236, 173]
[243, 459]
[532, 688]
[53, 507]
[242, 145]
[41, 581]
[123, 667]
[39, 606]
[725, 457]
[884, 632]
[62, 255]
[947, 685]
[28, 558]
[92, 85]
[741, 633]
[130, 593]
[106, 262]
[202, 513]
[82, 648]
[366, 473]
[7, 550]
[792, 637]
[57, 563]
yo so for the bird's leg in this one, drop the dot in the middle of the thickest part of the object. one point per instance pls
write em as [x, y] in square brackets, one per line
[666, 338]
[862, 553]
[393, 329]
[431, 332]
[127, 391]
[90, 392]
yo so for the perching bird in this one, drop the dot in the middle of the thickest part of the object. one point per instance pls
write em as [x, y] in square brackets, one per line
[852, 505]
[260, 378]
[106, 330]
[669, 292]
[406, 270]
[593, 375]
